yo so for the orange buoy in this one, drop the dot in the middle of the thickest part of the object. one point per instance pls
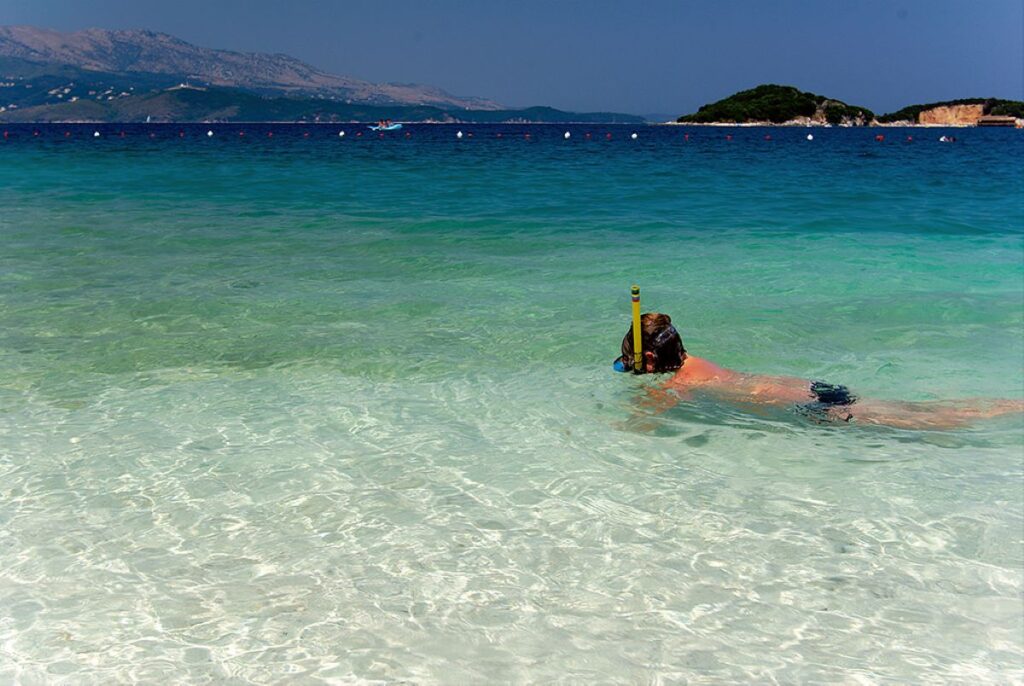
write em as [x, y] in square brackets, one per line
[270, 134]
[767, 136]
[879, 138]
[608, 136]
[728, 136]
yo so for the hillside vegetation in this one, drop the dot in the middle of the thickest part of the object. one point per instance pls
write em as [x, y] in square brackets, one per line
[229, 104]
[48, 92]
[778, 104]
[993, 106]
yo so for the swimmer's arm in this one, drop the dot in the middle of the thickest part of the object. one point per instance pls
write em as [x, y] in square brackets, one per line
[663, 398]
[655, 401]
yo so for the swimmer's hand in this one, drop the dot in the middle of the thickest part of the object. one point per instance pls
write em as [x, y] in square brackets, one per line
[655, 401]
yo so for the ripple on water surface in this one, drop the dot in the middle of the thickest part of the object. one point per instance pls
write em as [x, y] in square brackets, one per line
[302, 414]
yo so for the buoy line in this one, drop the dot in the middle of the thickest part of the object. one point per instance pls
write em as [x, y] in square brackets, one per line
[104, 132]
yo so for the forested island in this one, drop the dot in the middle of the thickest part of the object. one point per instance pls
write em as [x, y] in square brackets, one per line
[787, 105]
[770, 103]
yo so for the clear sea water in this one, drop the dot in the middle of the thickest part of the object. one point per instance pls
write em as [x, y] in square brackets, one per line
[340, 410]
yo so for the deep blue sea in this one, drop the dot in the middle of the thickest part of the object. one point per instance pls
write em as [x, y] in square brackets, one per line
[312, 408]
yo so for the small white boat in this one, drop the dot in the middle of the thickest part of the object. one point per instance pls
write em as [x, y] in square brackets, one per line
[389, 127]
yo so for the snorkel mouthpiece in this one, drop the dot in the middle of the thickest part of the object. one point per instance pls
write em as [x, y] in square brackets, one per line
[619, 366]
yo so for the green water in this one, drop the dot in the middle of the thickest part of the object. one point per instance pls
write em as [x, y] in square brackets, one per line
[341, 410]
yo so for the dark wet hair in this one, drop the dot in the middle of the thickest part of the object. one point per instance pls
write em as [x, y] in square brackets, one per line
[657, 335]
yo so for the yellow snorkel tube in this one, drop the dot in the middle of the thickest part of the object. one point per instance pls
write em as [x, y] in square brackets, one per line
[638, 353]
[620, 364]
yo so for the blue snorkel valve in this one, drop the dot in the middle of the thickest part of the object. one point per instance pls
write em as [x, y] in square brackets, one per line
[619, 366]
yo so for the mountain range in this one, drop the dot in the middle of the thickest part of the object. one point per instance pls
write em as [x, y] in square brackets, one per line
[150, 52]
[136, 75]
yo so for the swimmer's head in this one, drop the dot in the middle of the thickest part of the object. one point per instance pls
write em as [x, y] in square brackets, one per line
[662, 345]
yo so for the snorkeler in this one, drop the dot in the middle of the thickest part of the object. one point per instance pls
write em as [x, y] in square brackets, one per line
[663, 351]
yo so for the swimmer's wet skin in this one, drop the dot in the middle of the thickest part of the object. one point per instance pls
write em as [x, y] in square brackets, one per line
[663, 351]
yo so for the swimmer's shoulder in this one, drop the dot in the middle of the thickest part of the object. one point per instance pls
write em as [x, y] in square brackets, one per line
[697, 370]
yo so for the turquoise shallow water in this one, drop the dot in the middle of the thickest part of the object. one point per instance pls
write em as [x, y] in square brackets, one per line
[340, 409]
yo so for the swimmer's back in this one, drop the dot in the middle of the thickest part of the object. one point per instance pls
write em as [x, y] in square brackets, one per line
[697, 371]
[727, 383]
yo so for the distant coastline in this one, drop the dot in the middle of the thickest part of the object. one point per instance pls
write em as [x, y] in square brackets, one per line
[225, 105]
[109, 76]
[799, 124]
[334, 124]
[103, 76]
[775, 105]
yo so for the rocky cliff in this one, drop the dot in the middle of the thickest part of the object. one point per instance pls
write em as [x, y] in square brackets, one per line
[965, 112]
[952, 115]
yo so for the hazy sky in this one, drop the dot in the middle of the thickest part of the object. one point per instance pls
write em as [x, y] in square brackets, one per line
[655, 56]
